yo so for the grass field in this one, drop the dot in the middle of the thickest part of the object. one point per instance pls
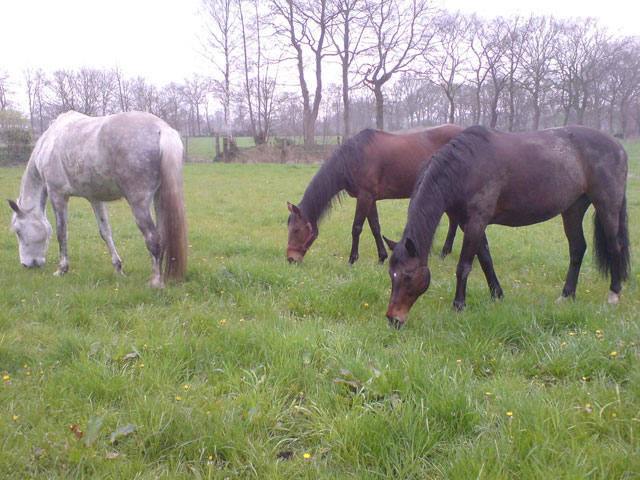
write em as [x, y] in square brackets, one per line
[254, 368]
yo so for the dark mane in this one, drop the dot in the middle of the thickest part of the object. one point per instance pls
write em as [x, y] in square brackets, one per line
[337, 174]
[440, 183]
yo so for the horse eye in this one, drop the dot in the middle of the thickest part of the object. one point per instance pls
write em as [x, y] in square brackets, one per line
[296, 230]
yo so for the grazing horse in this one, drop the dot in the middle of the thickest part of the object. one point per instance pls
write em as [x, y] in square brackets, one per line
[489, 177]
[373, 165]
[134, 155]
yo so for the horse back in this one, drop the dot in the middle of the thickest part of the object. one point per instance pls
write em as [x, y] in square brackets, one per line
[102, 158]
[392, 162]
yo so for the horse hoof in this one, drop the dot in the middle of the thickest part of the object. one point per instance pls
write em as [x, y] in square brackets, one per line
[613, 298]
[561, 299]
[155, 284]
[458, 306]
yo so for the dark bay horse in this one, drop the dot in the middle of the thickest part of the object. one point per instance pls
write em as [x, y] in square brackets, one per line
[373, 165]
[489, 177]
[134, 155]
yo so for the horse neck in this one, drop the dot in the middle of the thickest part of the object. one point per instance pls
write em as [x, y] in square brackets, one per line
[327, 183]
[33, 190]
[438, 190]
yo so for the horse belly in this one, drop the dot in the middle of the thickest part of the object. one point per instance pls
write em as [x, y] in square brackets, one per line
[530, 209]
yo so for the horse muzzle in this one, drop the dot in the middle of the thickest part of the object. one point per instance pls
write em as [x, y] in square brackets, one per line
[35, 263]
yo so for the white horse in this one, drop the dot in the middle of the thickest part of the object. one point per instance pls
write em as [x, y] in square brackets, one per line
[134, 155]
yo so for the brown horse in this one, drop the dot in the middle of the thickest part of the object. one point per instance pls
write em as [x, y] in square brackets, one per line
[488, 177]
[371, 166]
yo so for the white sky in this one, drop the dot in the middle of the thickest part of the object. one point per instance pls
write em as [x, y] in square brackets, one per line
[158, 39]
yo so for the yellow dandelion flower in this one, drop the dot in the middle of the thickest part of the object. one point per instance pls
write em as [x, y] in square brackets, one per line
[23, 300]
[28, 374]
[614, 353]
[186, 387]
[210, 458]
[178, 398]
[223, 321]
[571, 334]
[598, 332]
[15, 418]
[584, 379]
[25, 366]
[510, 414]
[306, 456]
[614, 415]
[142, 365]
[459, 361]
[241, 320]
[6, 377]
[296, 407]
[366, 304]
[488, 394]
[563, 344]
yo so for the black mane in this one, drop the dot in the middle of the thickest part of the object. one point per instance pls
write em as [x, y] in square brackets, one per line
[336, 175]
[439, 184]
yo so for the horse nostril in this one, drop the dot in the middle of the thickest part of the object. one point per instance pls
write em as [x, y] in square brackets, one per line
[290, 259]
[394, 322]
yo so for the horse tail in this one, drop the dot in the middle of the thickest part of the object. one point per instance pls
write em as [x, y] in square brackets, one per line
[170, 210]
[602, 255]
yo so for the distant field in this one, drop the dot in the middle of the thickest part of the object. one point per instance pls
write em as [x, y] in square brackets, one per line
[257, 369]
[204, 147]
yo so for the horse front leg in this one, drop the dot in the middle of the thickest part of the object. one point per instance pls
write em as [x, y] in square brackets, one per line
[153, 241]
[374, 224]
[60, 210]
[486, 263]
[363, 204]
[451, 235]
[102, 215]
[471, 243]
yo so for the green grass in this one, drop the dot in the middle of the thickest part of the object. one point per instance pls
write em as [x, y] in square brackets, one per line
[284, 361]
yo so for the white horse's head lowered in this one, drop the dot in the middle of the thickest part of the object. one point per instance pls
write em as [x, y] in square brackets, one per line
[33, 231]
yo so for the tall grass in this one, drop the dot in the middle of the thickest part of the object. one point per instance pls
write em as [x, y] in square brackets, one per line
[254, 368]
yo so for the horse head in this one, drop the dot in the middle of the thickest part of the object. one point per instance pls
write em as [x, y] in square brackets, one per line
[33, 231]
[410, 278]
[301, 234]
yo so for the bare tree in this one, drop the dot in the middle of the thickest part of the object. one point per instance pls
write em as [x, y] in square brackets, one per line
[537, 65]
[346, 34]
[195, 91]
[303, 25]
[448, 61]
[259, 84]
[401, 31]
[220, 47]
[4, 90]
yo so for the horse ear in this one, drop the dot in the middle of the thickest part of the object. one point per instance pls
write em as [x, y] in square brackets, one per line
[411, 247]
[14, 206]
[390, 243]
[293, 208]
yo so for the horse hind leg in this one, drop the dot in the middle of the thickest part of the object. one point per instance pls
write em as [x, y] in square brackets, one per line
[572, 222]
[612, 246]
[153, 241]
[102, 215]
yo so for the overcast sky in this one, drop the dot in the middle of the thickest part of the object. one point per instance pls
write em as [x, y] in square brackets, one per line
[158, 39]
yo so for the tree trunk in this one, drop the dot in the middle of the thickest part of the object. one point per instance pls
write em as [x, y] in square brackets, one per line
[377, 91]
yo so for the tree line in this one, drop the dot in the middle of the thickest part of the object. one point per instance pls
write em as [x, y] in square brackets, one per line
[332, 67]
